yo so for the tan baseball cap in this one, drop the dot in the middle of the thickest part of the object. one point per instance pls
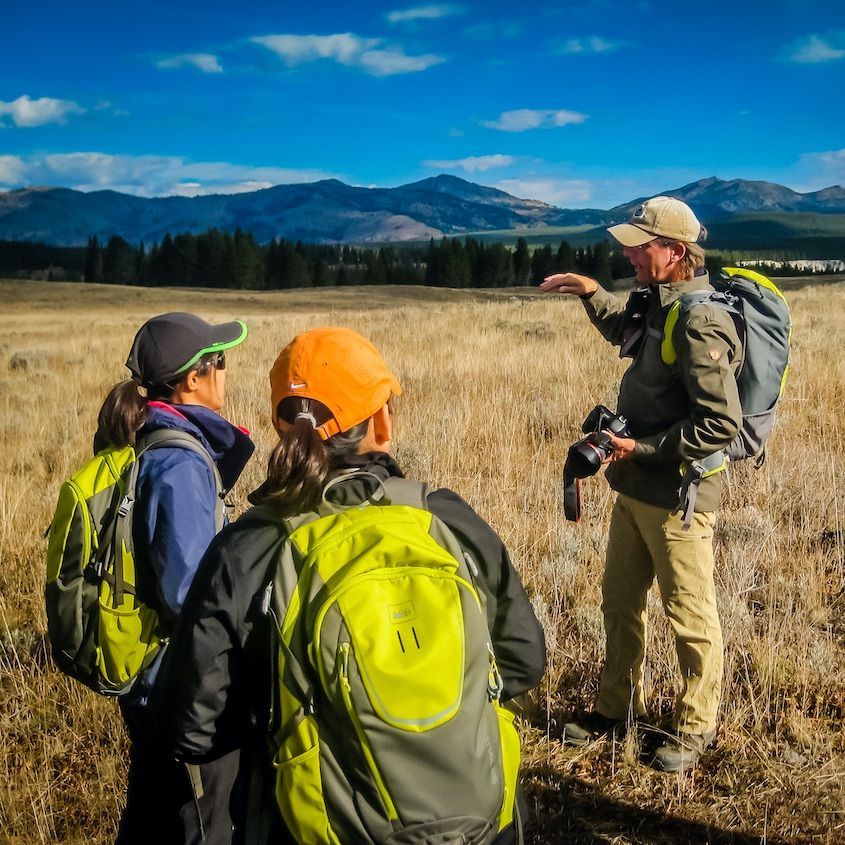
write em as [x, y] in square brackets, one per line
[659, 217]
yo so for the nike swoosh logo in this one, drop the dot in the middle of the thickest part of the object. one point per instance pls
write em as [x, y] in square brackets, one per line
[297, 386]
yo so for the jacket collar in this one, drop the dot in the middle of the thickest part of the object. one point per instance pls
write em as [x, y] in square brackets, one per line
[229, 445]
[666, 294]
[380, 464]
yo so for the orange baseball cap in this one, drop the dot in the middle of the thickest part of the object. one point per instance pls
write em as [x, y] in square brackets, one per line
[337, 367]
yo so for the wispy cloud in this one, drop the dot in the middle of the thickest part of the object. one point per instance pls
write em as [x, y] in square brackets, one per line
[823, 169]
[146, 175]
[369, 54]
[472, 164]
[521, 120]
[550, 190]
[26, 112]
[206, 62]
[588, 45]
[431, 12]
[816, 49]
[494, 30]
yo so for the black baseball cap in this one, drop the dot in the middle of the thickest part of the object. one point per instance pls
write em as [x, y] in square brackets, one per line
[169, 345]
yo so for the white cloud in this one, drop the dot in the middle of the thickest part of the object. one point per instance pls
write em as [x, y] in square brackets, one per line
[344, 47]
[521, 120]
[12, 170]
[389, 62]
[348, 49]
[589, 44]
[27, 112]
[146, 175]
[553, 191]
[822, 169]
[428, 13]
[472, 164]
[815, 49]
[206, 62]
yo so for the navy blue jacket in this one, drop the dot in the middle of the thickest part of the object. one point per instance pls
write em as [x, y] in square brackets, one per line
[175, 501]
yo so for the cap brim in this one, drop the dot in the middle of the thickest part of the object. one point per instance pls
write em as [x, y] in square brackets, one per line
[223, 336]
[629, 235]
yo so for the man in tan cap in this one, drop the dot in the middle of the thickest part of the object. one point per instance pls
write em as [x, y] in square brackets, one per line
[678, 414]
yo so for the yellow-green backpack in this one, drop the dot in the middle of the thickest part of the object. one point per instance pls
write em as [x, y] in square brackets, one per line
[388, 726]
[101, 633]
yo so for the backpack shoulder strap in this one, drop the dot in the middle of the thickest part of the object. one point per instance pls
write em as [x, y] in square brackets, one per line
[404, 491]
[681, 307]
[169, 437]
[125, 511]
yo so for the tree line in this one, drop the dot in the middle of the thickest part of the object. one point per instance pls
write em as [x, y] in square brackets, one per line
[236, 260]
[220, 259]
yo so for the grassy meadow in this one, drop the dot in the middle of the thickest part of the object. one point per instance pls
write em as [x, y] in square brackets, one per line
[496, 385]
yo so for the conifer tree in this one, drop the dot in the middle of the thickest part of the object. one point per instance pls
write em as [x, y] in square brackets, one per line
[521, 262]
[93, 261]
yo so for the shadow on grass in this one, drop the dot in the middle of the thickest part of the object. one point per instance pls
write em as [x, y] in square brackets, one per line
[570, 811]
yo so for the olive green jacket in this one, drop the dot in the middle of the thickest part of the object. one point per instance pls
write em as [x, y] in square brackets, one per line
[678, 412]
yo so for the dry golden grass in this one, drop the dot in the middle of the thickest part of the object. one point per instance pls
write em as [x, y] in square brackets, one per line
[495, 387]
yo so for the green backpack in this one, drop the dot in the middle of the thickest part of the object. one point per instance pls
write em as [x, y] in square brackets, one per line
[101, 633]
[388, 727]
[761, 315]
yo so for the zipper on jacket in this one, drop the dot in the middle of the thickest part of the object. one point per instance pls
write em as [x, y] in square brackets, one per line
[346, 694]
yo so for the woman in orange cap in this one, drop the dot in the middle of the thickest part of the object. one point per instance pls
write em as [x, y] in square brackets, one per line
[331, 404]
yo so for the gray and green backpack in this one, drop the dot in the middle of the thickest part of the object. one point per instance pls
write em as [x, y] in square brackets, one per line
[388, 726]
[761, 315]
[100, 631]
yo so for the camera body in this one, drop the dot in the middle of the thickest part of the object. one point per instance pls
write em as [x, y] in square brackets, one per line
[588, 454]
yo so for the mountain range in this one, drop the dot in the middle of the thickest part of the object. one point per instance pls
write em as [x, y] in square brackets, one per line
[330, 211]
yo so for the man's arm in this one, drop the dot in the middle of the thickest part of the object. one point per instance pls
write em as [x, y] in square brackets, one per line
[606, 311]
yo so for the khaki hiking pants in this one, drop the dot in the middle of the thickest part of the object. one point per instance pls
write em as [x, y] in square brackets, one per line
[647, 541]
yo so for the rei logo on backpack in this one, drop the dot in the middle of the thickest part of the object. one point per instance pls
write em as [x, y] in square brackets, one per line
[100, 632]
[388, 728]
[761, 314]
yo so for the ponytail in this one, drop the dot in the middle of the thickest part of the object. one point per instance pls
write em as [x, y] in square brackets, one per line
[123, 413]
[302, 462]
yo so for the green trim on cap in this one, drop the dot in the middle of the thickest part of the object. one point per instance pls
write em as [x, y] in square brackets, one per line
[219, 346]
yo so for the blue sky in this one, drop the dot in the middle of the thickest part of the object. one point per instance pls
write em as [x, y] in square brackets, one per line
[588, 103]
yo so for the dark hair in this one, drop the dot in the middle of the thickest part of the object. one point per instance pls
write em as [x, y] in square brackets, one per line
[123, 413]
[124, 410]
[302, 463]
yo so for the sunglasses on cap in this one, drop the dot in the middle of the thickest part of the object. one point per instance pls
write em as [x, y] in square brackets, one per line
[216, 360]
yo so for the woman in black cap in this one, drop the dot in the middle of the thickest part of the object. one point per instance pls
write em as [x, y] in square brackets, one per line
[178, 361]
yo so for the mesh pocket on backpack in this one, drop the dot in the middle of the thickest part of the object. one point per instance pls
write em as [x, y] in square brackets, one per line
[510, 744]
[299, 789]
[126, 641]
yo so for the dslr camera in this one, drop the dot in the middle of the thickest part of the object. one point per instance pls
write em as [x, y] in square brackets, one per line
[588, 454]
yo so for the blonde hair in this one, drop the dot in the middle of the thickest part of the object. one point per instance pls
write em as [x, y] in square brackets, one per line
[692, 260]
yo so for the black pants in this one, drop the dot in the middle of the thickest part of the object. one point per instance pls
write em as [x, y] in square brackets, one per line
[166, 802]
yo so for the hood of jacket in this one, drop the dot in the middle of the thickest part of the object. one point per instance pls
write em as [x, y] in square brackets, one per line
[230, 446]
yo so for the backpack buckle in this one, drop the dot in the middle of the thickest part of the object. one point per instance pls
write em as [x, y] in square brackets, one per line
[125, 507]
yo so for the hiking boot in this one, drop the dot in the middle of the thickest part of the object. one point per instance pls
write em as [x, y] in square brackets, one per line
[681, 752]
[590, 726]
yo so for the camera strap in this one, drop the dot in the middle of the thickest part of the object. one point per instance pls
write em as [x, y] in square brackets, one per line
[571, 495]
